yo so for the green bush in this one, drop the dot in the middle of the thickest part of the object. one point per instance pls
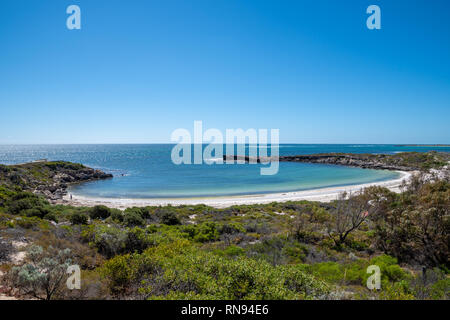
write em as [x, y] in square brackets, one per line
[270, 250]
[109, 241]
[23, 202]
[390, 270]
[142, 212]
[296, 252]
[179, 270]
[51, 217]
[132, 219]
[99, 212]
[78, 218]
[39, 212]
[116, 215]
[204, 232]
[231, 228]
[118, 272]
[44, 273]
[34, 223]
[167, 217]
[231, 251]
[137, 240]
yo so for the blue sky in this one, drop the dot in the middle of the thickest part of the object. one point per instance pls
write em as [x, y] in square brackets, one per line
[137, 70]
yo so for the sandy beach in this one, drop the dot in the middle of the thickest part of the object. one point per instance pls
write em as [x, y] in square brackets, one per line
[323, 195]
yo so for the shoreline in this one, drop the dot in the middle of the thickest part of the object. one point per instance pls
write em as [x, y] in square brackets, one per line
[323, 195]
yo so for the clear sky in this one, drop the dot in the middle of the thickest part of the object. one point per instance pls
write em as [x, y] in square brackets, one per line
[137, 70]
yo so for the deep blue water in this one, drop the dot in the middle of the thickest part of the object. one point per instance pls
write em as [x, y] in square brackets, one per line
[146, 171]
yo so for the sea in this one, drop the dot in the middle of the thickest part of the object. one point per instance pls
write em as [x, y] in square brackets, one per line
[144, 171]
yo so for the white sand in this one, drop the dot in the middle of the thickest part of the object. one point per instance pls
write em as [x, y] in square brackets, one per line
[323, 195]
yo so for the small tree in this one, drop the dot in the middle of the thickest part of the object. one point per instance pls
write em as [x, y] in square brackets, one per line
[349, 214]
[42, 276]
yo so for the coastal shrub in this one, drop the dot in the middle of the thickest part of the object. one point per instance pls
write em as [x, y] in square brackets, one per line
[6, 249]
[78, 218]
[307, 227]
[270, 250]
[93, 288]
[415, 229]
[109, 241]
[390, 270]
[137, 240]
[39, 212]
[112, 241]
[118, 272]
[231, 228]
[34, 223]
[296, 252]
[181, 270]
[51, 216]
[65, 165]
[262, 228]
[204, 232]
[99, 212]
[132, 219]
[395, 291]
[5, 195]
[116, 215]
[356, 244]
[431, 284]
[330, 271]
[23, 201]
[354, 273]
[43, 274]
[338, 273]
[231, 251]
[141, 211]
[297, 280]
[167, 216]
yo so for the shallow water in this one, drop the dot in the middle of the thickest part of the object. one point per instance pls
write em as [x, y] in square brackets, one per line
[146, 171]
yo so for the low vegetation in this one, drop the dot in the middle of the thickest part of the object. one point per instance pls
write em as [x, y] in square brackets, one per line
[292, 250]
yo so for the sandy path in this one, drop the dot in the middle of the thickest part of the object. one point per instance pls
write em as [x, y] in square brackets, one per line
[323, 195]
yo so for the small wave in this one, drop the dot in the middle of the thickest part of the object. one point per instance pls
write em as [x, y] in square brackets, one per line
[266, 147]
[213, 159]
[122, 175]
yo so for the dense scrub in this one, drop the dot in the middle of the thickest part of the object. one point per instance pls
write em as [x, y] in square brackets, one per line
[292, 250]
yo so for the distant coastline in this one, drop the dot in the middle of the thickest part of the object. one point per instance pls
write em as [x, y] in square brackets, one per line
[422, 145]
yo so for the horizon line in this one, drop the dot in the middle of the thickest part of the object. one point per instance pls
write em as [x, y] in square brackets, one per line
[174, 143]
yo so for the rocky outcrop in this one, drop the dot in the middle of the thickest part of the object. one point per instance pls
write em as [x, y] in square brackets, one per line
[348, 160]
[49, 179]
[406, 161]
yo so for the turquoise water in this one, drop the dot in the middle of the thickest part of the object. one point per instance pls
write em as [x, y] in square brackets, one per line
[146, 171]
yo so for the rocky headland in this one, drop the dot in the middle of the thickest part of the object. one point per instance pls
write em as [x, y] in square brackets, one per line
[405, 161]
[48, 178]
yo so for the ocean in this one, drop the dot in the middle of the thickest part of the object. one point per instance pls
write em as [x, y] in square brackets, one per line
[146, 171]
